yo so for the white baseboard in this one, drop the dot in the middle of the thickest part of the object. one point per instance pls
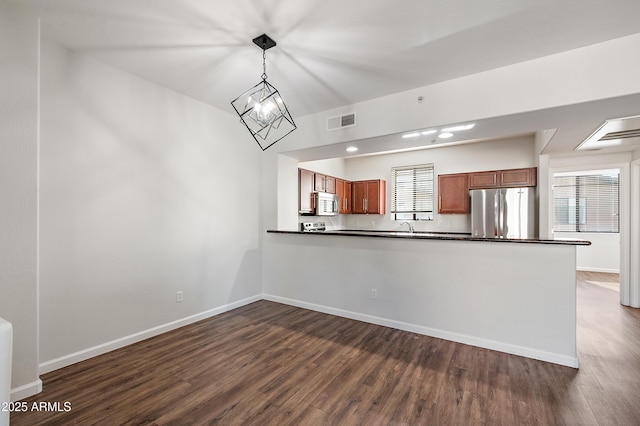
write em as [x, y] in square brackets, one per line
[432, 332]
[66, 360]
[609, 271]
[54, 364]
[26, 391]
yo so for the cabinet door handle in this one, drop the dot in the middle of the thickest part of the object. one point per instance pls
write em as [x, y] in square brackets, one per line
[439, 202]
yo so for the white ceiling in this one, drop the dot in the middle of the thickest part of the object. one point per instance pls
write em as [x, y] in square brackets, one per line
[335, 52]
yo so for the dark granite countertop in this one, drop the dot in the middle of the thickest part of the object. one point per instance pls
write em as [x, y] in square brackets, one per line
[419, 235]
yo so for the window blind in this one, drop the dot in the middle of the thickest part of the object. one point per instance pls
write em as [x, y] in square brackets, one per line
[587, 202]
[412, 189]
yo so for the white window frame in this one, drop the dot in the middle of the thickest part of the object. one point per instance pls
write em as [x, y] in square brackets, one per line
[419, 205]
[577, 208]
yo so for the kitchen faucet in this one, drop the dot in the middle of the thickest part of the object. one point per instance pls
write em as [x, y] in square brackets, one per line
[410, 226]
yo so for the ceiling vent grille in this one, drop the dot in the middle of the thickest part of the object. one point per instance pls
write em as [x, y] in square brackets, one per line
[341, 121]
[624, 134]
[621, 133]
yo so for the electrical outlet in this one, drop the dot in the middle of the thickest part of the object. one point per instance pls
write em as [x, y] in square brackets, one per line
[179, 296]
[374, 293]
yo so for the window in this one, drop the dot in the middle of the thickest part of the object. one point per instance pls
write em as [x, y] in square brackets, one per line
[587, 201]
[412, 192]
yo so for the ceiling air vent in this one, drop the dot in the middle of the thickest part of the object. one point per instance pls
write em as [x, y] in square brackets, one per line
[621, 133]
[341, 121]
[625, 134]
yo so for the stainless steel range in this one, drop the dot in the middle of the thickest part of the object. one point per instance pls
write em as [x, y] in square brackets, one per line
[312, 226]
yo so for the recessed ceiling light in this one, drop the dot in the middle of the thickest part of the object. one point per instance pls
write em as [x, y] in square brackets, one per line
[428, 132]
[458, 128]
[352, 149]
[445, 135]
[411, 135]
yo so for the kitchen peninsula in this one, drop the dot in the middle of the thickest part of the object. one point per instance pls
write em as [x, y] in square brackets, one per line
[514, 296]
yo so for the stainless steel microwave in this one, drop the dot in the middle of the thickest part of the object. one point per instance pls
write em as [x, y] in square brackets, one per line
[325, 204]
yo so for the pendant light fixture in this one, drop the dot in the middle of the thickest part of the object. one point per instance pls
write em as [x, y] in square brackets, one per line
[261, 108]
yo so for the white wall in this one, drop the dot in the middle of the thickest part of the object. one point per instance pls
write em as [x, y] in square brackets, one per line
[542, 138]
[332, 167]
[144, 192]
[6, 353]
[19, 44]
[603, 255]
[634, 232]
[287, 192]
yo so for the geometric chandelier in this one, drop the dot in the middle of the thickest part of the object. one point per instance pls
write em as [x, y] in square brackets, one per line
[261, 108]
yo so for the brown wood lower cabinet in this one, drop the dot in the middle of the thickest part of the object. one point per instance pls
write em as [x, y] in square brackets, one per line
[453, 193]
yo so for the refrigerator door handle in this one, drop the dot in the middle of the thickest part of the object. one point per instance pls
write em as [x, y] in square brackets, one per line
[501, 215]
[496, 216]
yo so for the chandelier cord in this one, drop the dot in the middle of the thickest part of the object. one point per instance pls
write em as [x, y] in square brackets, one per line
[264, 64]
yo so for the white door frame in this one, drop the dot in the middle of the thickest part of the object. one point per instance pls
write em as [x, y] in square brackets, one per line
[634, 237]
[626, 187]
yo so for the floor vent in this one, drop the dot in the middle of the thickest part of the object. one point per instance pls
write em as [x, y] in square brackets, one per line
[341, 121]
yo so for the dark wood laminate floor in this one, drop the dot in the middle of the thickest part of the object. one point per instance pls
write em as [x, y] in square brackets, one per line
[272, 364]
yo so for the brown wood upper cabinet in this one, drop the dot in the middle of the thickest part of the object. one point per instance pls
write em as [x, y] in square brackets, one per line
[305, 189]
[483, 180]
[453, 189]
[325, 183]
[519, 177]
[343, 190]
[369, 197]
[511, 178]
[453, 193]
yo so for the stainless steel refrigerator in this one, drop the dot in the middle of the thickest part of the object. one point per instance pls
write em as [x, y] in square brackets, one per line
[503, 213]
